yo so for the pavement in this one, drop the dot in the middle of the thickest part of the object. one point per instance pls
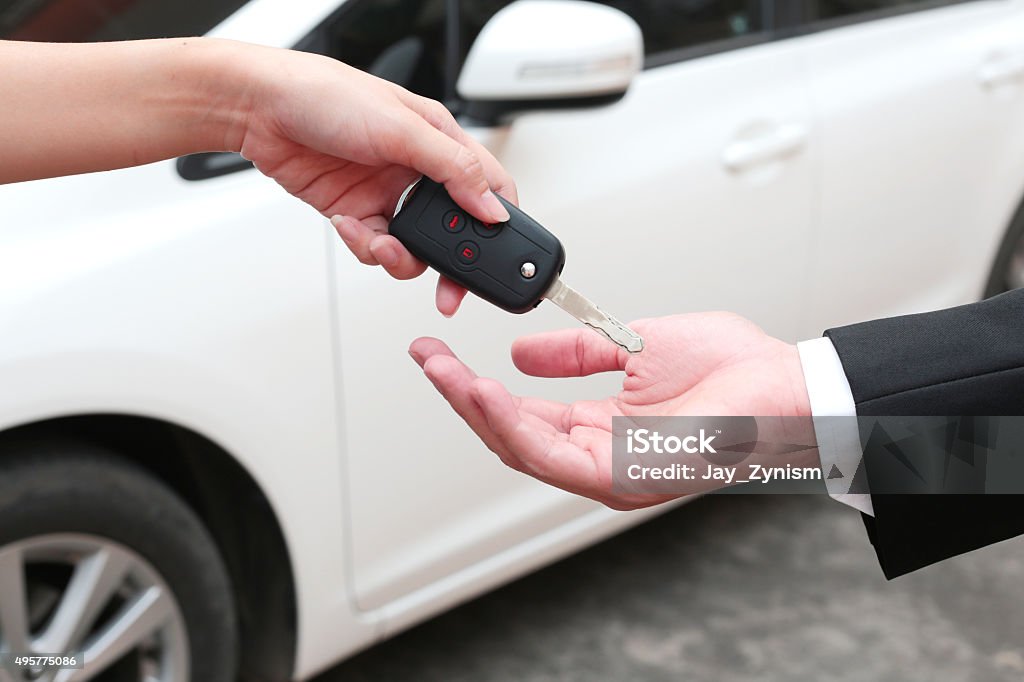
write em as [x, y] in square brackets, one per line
[728, 588]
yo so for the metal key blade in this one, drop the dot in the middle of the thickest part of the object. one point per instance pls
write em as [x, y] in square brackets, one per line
[574, 303]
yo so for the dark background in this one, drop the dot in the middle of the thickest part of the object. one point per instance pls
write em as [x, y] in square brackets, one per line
[727, 588]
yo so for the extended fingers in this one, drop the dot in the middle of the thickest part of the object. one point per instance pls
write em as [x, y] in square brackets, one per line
[519, 443]
[426, 347]
[550, 411]
[454, 381]
[566, 463]
[523, 432]
[567, 353]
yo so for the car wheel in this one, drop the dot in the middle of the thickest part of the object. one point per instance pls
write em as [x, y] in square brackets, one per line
[1008, 270]
[100, 558]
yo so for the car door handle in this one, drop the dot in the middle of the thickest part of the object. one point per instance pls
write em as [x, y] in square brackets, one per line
[781, 142]
[211, 165]
[1001, 70]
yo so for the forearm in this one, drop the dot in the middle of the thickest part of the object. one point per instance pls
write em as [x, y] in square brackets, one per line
[75, 108]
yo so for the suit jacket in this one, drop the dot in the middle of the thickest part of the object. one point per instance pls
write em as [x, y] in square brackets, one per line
[963, 361]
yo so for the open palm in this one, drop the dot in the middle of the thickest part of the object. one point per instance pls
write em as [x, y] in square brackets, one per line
[699, 364]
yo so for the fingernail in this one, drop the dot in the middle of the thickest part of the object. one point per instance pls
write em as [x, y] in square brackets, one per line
[417, 358]
[345, 229]
[386, 254]
[497, 210]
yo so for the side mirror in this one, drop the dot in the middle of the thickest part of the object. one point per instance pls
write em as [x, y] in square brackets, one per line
[542, 54]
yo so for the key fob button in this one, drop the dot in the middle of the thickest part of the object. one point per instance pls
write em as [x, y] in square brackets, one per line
[487, 230]
[485, 259]
[454, 221]
[467, 252]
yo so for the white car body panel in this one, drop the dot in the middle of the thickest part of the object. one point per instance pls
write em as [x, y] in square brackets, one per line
[918, 156]
[231, 309]
[121, 310]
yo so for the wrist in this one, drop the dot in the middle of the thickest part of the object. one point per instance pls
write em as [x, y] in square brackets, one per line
[211, 90]
[798, 422]
[799, 400]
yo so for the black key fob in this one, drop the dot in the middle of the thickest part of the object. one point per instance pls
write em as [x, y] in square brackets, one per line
[510, 264]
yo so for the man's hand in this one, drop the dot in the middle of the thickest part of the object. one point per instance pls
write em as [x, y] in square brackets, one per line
[713, 364]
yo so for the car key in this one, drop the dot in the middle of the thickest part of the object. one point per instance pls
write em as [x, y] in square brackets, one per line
[514, 265]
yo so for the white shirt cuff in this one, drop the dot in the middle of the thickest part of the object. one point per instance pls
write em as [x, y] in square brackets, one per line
[839, 444]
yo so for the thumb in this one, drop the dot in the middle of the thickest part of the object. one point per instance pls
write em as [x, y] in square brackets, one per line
[457, 167]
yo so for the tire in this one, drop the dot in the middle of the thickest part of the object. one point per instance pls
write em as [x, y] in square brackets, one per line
[1008, 269]
[68, 512]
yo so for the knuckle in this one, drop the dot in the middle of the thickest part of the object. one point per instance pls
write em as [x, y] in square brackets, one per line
[580, 352]
[392, 136]
[437, 114]
[510, 461]
[582, 413]
[506, 187]
[406, 271]
[366, 259]
[618, 505]
[469, 164]
[489, 385]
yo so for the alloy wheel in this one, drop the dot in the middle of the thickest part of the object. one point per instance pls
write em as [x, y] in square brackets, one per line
[85, 594]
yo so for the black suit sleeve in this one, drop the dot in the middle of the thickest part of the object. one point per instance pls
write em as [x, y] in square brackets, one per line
[965, 361]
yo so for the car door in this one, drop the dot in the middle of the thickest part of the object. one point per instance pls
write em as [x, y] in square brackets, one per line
[691, 193]
[921, 107]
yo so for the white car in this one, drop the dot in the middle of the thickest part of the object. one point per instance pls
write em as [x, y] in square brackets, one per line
[215, 450]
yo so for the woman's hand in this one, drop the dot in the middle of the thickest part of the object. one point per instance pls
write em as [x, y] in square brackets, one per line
[349, 143]
[343, 141]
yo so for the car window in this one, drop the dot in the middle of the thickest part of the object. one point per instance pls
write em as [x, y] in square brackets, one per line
[72, 21]
[816, 10]
[667, 25]
[670, 25]
[400, 40]
[406, 41]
